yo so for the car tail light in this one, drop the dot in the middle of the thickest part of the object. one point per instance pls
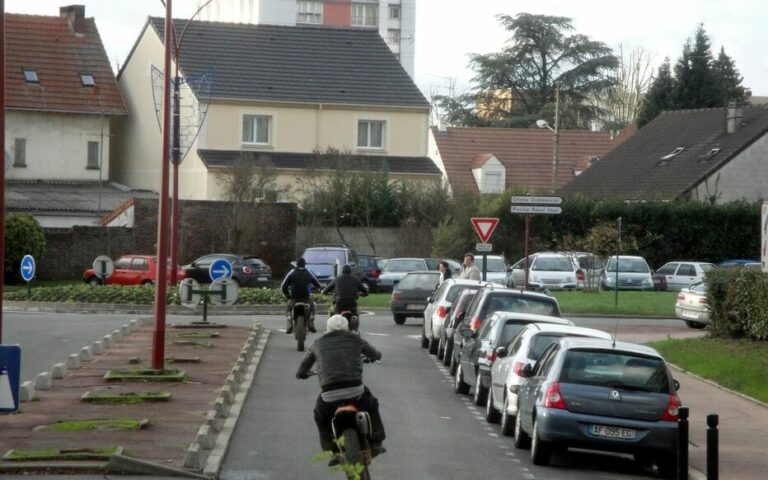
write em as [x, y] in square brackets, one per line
[442, 312]
[579, 276]
[703, 300]
[671, 412]
[395, 297]
[491, 355]
[553, 399]
[375, 273]
[681, 296]
[475, 324]
[247, 269]
[517, 367]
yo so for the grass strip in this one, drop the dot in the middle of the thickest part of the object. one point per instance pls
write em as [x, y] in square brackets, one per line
[646, 304]
[145, 375]
[126, 398]
[63, 454]
[110, 424]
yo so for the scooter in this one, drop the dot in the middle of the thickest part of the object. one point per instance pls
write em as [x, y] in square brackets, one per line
[300, 317]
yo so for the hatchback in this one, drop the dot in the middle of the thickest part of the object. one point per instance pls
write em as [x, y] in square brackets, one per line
[409, 298]
[454, 318]
[131, 270]
[396, 269]
[247, 270]
[679, 275]
[549, 270]
[692, 306]
[521, 350]
[438, 308]
[633, 274]
[602, 395]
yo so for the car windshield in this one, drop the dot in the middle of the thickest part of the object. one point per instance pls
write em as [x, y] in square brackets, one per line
[405, 265]
[552, 264]
[418, 281]
[705, 267]
[615, 369]
[628, 265]
[700, 287]
[494, 265]
[329, 257]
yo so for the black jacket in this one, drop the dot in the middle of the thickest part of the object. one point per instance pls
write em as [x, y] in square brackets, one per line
[339, 361]
[296, 284]
[346, 287]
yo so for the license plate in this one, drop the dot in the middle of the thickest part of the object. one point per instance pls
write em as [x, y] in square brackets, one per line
[262, 279]
[689, 314]
[415, 307]
[613, 432]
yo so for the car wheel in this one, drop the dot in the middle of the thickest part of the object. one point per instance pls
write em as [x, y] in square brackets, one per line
[399, 318]
[696, 325]
[94, 281]
[491, 414]
[540, 450]
[432, 345]
[448, 354]
[454, 364]
[440, 348]
[481, 394]
[424, 341]
[507, 420]
[522, 440]
[459, 386]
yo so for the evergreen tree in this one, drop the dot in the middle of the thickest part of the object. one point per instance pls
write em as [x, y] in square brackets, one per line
[728, 79]
[695, 85]
[660, 96]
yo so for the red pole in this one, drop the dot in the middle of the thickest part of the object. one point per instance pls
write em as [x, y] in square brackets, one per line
[2, 149]
[176, 160]
[527, 234]
[158, 340]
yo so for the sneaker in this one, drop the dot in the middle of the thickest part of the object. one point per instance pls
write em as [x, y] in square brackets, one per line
[334, 461]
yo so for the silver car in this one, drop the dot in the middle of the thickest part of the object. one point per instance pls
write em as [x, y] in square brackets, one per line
[602, 395]
[692, 306]
[396, 269]
[549, 270]
[682, 274]
[633, 274]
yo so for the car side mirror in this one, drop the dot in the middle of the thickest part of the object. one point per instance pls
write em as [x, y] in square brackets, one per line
[677, 384]
[501, 352]
[527, 370]
[467, 332]
[429, 299]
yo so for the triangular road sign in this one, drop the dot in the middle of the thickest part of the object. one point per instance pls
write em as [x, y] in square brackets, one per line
[484, 227]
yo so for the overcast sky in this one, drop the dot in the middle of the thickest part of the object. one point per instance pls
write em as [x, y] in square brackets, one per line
[447, 31]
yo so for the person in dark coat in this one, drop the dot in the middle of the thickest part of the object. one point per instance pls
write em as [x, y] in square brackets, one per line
[296, 287]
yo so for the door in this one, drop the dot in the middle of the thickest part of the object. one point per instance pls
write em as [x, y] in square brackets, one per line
[684, 277]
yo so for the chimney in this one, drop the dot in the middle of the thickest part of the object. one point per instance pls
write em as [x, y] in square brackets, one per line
[734, 117]
[442, 125]
[72, 13]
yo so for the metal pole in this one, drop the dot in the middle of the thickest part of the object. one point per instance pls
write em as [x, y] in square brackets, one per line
[713, 453]
[527, 232]
[176, 161]
[158, 340]
[618, 252]
[682, 444]
[2, 149]
[485, 267]
[555, 148]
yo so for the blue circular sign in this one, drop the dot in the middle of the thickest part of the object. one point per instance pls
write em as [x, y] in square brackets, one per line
[27, 268]
[220, 269]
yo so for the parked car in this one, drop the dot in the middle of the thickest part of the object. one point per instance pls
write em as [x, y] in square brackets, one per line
[247, 270]
[371, 267]
[633, 274]
[496, 269]
[492, 298]
[681, 274]
[131, 270]
[737, 262]
[438, 307]
[599, 394]
[478, 353]
[325, 261]
[454, 318]
[521, 350]
[549, 270]
[692, 305]
[396, 269]
[409, 298]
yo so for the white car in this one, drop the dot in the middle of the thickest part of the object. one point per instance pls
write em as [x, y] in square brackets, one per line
[439, 307]
[549, 270]
[496, 269]
[692, 306]
[633, 274]
[524, 349]
[683, 274]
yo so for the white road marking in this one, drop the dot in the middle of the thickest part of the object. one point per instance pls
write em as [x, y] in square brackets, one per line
[376, 334]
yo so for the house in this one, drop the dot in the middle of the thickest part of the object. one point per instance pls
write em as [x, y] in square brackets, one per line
[395, 20]
[273, 93]
[715, 155]
[491, 160]
[61, 96]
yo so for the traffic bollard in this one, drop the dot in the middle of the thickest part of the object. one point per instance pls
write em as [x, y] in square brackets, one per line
[682, 444]
[713, 449]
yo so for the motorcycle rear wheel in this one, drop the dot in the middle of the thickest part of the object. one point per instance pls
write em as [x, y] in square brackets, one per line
[353, 453]
[300, 332]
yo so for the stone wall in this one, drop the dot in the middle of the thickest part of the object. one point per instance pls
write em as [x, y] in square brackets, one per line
[69, 252]
[383, 242]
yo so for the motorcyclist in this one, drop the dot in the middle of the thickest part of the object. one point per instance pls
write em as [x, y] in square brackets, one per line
[346, 288]
[296, 287]
[339, 356]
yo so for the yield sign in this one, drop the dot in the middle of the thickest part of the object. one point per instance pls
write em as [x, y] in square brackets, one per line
[484, 227]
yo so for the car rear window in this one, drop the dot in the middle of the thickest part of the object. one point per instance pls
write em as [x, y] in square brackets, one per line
[455, 291]
[615, 369]
[493, 265]
[628, 265]
[405, 265]
[420, 281]
[515, 303]
[329, 257]
[552, 264]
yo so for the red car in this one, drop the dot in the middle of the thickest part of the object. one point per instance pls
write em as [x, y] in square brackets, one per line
[131, 270]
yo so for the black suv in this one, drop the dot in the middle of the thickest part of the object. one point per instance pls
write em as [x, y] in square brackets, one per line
[322, 260]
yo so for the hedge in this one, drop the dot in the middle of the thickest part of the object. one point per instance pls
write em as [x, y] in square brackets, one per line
[738, 298]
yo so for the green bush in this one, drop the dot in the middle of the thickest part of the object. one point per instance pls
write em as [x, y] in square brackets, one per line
[738, 298]
[23, 236]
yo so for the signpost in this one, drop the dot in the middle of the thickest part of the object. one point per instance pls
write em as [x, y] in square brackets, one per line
[103, 266]
[10, 368]
[531, 205]
[220, 269]
[484, 228]
[222, 291]
[28, 272]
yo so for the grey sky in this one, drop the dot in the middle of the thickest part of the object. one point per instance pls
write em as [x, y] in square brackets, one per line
[447, 31]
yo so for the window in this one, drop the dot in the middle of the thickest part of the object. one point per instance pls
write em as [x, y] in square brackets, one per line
[140, 264]
[687, 270]
[370, 134]
[394, 12]
[493, 183]
[365, 14]
[30, 75]
[93, 156]
[668, 158]
[394, 36]
[257, 129]
[309, 12]
[20, 152]
[668, 269]
[87, 80]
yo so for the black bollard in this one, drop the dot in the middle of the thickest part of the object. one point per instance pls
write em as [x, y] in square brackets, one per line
[682, 444]
[713, 449]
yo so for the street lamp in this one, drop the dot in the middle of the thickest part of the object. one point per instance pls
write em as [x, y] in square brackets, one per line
[545, 124]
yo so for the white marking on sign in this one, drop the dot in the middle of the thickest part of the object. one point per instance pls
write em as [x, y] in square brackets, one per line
[536, 210]
[536, 200]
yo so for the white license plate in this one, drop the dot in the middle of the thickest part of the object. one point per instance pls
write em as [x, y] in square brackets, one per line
[613, 432]
[262, 279]
[415, 307]
[689, 314]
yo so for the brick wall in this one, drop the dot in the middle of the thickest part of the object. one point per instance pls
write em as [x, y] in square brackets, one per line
[265, 230]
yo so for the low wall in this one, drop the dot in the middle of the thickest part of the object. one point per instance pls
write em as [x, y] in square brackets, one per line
[383, 242]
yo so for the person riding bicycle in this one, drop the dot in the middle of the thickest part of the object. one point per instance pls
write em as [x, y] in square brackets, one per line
[346, 288]
[339, 355]
[296, 287]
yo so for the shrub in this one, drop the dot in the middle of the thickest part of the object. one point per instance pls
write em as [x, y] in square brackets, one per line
[738, 298]
[23, 236]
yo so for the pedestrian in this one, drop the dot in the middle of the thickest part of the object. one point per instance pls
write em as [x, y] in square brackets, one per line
[445, 271]
[469, 271]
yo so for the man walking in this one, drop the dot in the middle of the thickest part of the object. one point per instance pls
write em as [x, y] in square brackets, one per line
[469, 271]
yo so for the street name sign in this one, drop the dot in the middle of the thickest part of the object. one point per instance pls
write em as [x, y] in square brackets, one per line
[484, 227]
[484, 247]
[220, 269]
[526, 200]
[27, 268]
[536, 209]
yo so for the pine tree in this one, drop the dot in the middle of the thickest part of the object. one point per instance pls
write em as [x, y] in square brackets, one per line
[660, 96]
[728, 79]
[696, 86]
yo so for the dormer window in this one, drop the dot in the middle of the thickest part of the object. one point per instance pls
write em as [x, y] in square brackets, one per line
[30, 75]
[668, 158]
[87, 80]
